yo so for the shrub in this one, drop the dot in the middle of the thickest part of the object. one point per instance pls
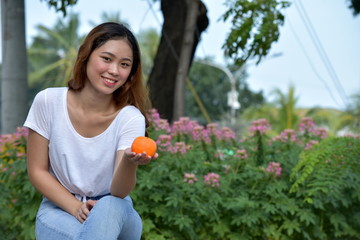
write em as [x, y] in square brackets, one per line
[220, 187]
[209, 184]
[19, 201]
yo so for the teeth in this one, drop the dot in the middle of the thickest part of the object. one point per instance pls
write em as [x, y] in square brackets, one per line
[109, 81]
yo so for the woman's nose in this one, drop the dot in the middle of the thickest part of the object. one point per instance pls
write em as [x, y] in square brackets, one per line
[113, 69]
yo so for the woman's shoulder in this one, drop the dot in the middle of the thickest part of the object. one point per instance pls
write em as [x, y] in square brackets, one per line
[130, 110]
[52, 91]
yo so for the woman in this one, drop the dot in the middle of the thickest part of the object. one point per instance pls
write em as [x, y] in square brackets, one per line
[79, 155]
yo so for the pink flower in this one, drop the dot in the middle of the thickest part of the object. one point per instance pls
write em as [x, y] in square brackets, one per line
[306, 124]
[277, 138]
[241, 154]
[163, 142]
[212, 179]
[227, 133]
[289, 135]
[274, 167]
[158, 123]
[21, 132]
[213, 130]
[190, 178]
[179, 147]
[261, 126]
[321, 133]
[20, 154]
[310, 144]
[183, 126]
[352, 135]
[200, 134]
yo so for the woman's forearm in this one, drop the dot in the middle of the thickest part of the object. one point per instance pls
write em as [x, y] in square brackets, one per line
[48, 186]
[124, 178]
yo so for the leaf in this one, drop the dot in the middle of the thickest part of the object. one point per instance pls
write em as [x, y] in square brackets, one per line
[291, 226]
[307, 217]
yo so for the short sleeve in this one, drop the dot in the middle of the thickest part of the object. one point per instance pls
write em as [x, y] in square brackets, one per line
[134, 128]
[38, 116]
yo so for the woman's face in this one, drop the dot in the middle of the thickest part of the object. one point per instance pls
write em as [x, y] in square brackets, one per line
[109, 66]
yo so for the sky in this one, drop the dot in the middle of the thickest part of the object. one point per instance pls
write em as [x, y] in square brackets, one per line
[323, 65]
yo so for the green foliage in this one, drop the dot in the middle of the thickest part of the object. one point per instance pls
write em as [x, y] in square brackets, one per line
[61, 5]
[214, 99]
[255, 26]
[209, 184]
[251, 202]
[19, 201]
[286, 105]
[53, 53]
[328, 176]
[353, 109]
[204, 74]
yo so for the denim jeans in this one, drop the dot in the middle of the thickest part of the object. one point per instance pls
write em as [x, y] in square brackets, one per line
[111, 218]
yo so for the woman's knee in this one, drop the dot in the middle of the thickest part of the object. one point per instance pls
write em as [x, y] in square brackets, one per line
[114, 206]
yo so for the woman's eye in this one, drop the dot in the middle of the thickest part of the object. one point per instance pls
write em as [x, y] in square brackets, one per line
[125, 64]
[106, 59]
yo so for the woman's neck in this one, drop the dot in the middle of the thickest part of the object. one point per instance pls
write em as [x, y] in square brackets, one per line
[90, 101]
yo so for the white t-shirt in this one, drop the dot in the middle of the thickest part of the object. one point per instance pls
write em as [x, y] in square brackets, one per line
[82, 165]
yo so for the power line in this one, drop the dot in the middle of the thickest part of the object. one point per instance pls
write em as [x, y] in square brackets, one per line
[321, 51]
[172, 49]
[309, 60]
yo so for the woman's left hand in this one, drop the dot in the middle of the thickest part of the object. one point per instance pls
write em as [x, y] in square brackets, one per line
[140, 158]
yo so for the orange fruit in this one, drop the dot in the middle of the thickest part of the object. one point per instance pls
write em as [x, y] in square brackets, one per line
[144, 144]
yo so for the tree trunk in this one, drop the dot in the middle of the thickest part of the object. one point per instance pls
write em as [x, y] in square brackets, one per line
[185, 57]
[14, 70]
[163, 75]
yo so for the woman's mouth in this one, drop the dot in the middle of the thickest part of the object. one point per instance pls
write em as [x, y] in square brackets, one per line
[108, 82]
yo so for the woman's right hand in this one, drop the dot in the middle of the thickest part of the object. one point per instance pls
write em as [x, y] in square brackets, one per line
[84, 210]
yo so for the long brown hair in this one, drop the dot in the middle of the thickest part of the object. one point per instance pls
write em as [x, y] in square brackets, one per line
[133, 92]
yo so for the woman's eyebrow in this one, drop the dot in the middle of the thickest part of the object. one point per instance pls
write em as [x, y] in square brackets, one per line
[113, 55]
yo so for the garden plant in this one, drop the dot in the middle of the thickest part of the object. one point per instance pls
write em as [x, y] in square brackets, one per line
[208, 183]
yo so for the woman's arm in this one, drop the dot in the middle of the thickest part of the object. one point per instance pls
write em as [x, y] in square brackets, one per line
[44, 182]
[124, 178]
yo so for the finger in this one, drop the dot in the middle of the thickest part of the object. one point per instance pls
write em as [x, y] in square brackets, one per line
[85, 210]
[144, 161]
[90, 204]
[81, 217]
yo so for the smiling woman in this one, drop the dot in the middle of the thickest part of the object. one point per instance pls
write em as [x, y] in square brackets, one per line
[79, 144]
[109, 64]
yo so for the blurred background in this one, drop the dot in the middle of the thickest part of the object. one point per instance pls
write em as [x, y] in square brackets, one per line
[282, 60]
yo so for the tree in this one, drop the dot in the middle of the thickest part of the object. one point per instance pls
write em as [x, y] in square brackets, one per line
[53, 52]
[162, 78]
[286, 103]
[14, 70]
[354, 110]
[355, 6]
[212, 85]
[148, 40]
[255, 27]
[61, 5]
[192, 7]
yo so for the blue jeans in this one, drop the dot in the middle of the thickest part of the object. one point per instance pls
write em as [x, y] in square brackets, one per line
[111, 218]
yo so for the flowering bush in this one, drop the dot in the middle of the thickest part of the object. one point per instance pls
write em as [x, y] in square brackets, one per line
[19, 200]
[245, 192]
[209, 183]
